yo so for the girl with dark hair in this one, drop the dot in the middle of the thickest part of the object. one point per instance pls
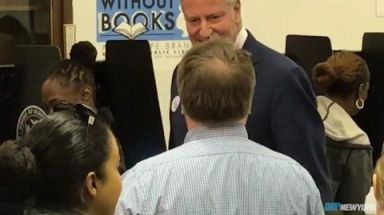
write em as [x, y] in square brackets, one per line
[72, 83]
[69, 82]
[344, 80]
[73, 161]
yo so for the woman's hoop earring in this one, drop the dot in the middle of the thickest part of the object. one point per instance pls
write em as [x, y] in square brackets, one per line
[359, 103]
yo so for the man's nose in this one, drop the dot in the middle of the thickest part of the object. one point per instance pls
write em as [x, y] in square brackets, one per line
[205, 30]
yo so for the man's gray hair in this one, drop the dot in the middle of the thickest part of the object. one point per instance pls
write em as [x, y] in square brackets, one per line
[216, 82]
[230, 2]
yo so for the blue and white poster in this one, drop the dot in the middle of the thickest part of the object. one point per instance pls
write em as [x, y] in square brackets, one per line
[154, 20]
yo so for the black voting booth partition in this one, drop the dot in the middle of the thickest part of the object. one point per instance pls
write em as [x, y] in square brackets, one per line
[20, 88]
[307, 51]
[371, 117]
[7, 74]
[126, 84]
[7, 91]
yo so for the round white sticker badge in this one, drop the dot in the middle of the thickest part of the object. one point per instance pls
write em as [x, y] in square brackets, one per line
[28, 117]
[175, 103]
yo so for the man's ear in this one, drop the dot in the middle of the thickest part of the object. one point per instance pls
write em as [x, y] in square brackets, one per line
[86, 94]
[90, 189]
[237, 8]
[237, 5]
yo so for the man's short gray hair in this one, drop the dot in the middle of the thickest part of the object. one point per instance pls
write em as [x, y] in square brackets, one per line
[216, 82]
[230, 2]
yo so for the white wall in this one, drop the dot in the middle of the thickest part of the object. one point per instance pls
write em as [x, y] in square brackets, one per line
[344, 21]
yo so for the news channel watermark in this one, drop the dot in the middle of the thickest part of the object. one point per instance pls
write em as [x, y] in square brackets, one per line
[348, 207]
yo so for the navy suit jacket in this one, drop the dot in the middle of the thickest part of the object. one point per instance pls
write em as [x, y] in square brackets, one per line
[284, 116]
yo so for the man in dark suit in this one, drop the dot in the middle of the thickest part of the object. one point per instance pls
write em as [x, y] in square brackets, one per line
[284, 116]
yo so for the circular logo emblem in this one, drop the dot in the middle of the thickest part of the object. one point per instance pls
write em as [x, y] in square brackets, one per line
[175, 103]
[28, 117]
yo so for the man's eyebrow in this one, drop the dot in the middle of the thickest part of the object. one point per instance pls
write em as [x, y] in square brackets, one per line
[188, 17]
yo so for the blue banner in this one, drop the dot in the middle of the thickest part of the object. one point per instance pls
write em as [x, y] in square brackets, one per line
[154, 20]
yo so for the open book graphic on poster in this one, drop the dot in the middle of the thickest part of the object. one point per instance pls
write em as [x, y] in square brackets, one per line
[130, 31]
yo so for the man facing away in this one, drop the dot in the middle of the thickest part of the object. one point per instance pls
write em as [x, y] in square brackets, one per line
[218, 170]
[284, 116]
